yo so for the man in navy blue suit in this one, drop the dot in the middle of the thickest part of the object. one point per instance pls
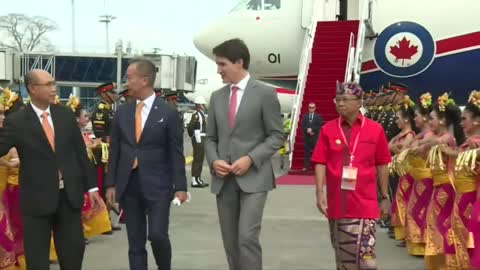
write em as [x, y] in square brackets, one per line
[146, 166]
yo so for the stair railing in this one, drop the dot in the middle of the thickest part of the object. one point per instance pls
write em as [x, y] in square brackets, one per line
[304, 64]
[349, 66]
[365, 23]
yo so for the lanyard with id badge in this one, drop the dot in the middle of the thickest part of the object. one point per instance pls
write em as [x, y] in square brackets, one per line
[349, 173]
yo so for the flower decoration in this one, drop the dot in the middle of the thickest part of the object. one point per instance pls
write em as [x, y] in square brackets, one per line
[73, 102]
[426, 100]
[407, 102]
[474, 98]
[8, 98]
[443, 101]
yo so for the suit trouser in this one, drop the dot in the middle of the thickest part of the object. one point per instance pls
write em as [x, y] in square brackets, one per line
[66, 225]
[309, 143]
[198, 157]
[136, 208]
[240, 216]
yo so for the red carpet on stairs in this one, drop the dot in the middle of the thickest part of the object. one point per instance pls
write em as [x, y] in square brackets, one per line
[290, 179]
[329, 59]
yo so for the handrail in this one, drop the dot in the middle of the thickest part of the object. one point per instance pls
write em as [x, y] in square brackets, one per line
[349, 65]
[304, 63]
[365, 18]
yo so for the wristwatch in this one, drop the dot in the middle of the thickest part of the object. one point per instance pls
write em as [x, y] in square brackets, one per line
[385, 197]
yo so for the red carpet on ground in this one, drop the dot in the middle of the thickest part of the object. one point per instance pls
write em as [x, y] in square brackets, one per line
[290, 179]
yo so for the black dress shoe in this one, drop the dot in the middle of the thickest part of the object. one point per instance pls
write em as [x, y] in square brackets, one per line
[202, 182]
[198, 185]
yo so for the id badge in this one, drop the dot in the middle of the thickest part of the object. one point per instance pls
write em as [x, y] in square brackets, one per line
[349, 177]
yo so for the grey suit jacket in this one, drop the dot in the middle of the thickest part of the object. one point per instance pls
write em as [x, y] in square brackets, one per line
[258, 133]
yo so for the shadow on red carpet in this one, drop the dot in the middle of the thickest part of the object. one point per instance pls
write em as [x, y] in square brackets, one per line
[291, 179]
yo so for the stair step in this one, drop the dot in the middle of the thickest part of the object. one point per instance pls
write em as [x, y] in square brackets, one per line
[320, 62]
[316, 76]
[330, 44]
[322, 37]
[334, 36]
[328, 68]
[325, 104]
[321, 95]
[322, 76]
[323, 58]
[333, 63]
[326, 54]
[343, 23]
[320, 99]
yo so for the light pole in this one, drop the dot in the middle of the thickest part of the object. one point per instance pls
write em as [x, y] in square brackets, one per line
[107, 19]
[73, 26]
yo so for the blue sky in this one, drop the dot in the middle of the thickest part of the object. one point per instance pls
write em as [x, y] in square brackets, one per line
[147, 24]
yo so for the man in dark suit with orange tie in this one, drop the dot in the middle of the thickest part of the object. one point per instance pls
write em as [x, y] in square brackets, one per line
[146, 166]
[53, 178]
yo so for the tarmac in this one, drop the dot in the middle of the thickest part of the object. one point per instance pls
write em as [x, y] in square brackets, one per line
[294, 236]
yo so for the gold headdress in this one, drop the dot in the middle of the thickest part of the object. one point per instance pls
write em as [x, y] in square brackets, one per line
[407, 102]
[57, 100]
[443, 101]
[73, 102]
[426, 100]
[474, 98]
[8, 98]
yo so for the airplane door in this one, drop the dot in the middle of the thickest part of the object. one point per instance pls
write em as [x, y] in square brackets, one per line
[307, 12]
[343, 10]
[328, 10]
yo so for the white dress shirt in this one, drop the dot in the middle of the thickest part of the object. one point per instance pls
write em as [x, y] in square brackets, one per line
[39, 113]
[242, 84]
[147, 106]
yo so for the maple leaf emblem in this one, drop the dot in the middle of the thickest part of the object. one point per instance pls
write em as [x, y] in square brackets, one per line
[403, 50]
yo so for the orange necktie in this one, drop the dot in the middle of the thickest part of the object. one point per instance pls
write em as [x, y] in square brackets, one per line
[47, 128]
[138, 121]
[138, 127]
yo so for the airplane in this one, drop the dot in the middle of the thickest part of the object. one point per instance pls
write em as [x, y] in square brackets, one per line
[204, 87]
[442, 51]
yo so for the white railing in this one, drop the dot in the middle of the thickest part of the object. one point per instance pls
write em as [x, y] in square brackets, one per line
[304, 64]
[350, 59]
[40, 61]
[365, 20]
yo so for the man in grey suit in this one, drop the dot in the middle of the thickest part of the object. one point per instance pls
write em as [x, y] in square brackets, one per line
[244, 130]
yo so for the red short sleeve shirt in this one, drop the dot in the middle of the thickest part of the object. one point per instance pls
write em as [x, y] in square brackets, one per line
[371, 151]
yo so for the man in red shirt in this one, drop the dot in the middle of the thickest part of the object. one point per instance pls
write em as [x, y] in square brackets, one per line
[351, 152]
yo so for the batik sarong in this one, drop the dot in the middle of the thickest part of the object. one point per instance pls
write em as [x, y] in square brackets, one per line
[354, 243]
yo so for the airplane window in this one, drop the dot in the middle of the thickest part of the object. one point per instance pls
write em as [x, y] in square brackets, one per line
[257, 5]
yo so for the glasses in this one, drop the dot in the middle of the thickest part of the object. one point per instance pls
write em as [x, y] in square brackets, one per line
[311, 107]
[48, 84]
[343, 99]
